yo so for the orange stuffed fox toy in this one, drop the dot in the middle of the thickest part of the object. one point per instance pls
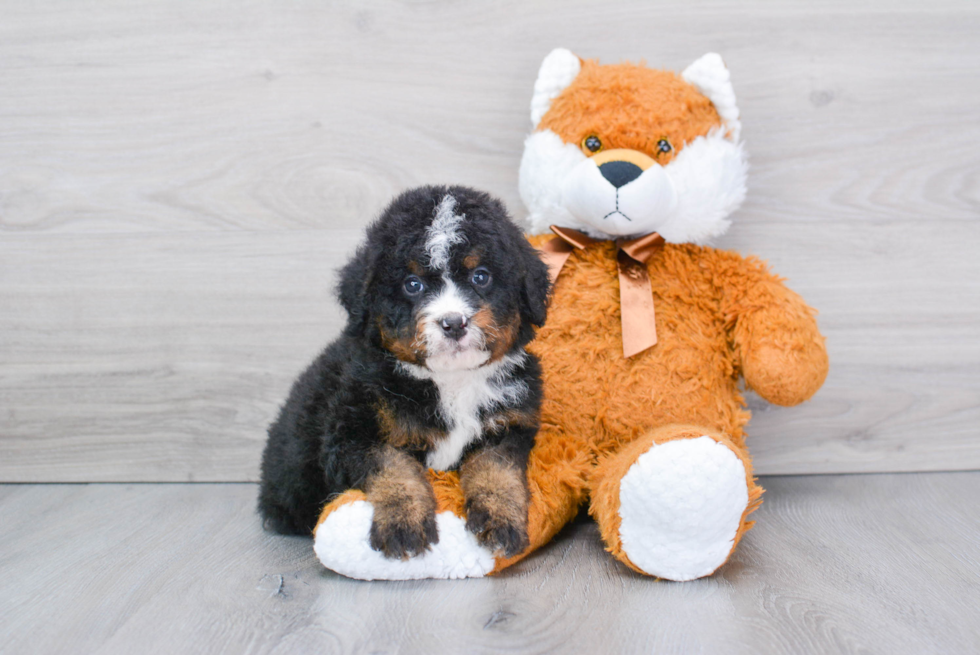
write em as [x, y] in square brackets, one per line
[628, 172]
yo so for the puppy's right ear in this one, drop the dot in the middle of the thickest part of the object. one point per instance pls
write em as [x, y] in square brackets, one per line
[537, 286]
[352, 290]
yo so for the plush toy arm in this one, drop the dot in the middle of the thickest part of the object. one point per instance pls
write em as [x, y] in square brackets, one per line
[776, 339]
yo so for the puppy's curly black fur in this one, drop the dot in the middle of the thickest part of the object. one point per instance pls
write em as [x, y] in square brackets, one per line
[430, 371]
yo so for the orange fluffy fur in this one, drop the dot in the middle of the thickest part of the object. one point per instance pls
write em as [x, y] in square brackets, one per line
[718, 316]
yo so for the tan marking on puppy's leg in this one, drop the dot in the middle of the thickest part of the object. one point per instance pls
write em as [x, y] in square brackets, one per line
[404, 432]
[511, 417]
[495, 488]
[404, 521]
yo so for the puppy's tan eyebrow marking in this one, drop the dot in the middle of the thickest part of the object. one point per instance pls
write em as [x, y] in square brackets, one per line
[472, 260]
[415, 268]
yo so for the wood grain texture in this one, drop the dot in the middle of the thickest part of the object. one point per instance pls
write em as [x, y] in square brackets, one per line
[179, 181]
[836, 564]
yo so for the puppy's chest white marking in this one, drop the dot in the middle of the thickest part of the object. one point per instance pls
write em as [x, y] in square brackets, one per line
[460, 406]
[462, 395]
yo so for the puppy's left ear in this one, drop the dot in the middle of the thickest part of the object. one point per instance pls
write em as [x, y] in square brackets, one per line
[352, 290]
[537, 286]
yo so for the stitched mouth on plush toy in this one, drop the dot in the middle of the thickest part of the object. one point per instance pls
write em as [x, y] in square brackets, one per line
[616, 211]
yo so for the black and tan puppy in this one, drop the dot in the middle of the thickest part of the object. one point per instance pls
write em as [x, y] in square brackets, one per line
[430, 372]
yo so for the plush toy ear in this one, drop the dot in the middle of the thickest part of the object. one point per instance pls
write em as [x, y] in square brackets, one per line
[710, 76]
[557, 71]
[352, 290]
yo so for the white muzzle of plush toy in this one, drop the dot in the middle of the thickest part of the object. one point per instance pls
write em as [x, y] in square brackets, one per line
[622, 195]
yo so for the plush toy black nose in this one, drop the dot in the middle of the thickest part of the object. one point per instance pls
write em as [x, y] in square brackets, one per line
[620, 173]
[454, 326]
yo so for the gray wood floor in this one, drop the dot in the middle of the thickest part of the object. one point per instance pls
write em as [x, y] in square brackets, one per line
[179, 180]
[837, 564]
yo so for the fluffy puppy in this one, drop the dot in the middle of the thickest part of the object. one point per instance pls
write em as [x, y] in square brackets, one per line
[430, 371]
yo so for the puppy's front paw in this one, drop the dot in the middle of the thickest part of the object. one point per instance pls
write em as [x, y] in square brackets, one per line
[498, 525]
[403, 530]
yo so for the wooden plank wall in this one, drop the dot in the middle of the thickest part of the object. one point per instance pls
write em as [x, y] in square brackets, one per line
[179, 181]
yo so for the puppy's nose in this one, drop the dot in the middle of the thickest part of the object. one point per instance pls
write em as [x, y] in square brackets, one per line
[453, 325]
[620, 173]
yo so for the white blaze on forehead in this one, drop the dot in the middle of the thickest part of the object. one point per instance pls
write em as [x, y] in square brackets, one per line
[443, 233]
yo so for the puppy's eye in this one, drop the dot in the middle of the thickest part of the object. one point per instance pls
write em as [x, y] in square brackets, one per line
[663, 147]
[481, 277]
[413, 285]
[592, 143]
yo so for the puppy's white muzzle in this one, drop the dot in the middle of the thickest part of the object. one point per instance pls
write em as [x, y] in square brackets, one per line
[444, 350]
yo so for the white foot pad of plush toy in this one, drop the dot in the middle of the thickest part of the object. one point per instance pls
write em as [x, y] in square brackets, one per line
[342, 544]
[681, 504]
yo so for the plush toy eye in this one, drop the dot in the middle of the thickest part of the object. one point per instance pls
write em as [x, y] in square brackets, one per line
[592, 143]
[413, 285]
[481, 277]
[663, 147]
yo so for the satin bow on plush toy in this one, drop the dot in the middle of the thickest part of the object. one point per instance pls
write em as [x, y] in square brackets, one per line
[655, 441]
[635, 295]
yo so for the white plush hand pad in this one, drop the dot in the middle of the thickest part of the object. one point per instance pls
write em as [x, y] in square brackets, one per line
[342, 544]
[681, 504]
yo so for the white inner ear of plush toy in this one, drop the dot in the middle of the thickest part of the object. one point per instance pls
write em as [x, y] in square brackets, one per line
[711, 77]
[557, 71]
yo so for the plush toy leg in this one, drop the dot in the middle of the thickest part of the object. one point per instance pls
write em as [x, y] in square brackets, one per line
[674, 503]
[341, 539]
[557, 478]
